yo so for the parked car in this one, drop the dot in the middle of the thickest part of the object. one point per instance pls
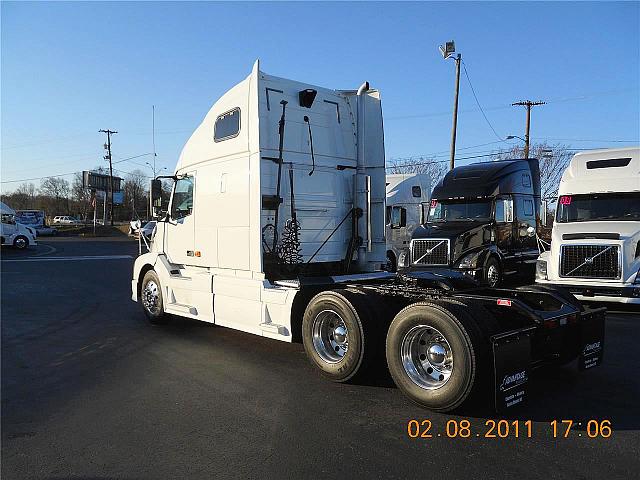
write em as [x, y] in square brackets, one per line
[148, 229]
[65, 220]
[46, 231]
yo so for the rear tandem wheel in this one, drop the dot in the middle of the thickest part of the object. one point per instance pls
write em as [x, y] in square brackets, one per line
[438, 355]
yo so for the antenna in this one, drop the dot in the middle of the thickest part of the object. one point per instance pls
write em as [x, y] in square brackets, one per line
[153, 135]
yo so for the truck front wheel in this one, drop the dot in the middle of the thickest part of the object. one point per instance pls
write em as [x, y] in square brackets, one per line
[151, 298]
[492, 273]
[21, 242]
[434, 353]
[333, 334]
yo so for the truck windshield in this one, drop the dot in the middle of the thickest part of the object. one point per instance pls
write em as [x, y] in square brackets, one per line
[453, 210]
[599, 206]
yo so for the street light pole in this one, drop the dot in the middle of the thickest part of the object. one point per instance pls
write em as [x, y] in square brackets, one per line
[447, 51]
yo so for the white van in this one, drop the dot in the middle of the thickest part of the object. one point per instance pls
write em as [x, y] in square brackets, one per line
[595, 243]
[13, 233]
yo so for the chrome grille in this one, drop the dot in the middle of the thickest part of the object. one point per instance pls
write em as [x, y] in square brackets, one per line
[430, 252]
[590, 261]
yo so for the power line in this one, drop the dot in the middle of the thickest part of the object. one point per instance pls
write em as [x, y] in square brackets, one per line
[39, 178]
[586, 140]
[464, 65]
[131, 158]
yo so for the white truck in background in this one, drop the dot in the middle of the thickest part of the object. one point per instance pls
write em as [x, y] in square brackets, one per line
[408, 197]
[12, 232]
[276, 227]
[595, 242]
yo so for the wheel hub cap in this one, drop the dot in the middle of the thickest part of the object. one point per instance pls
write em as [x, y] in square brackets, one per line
[492, 275]
[437, 354]
[150, 296]
[427, 357]
[330, 336]
[340, 335]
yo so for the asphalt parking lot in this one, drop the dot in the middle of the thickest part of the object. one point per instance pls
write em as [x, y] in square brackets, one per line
[90, 390]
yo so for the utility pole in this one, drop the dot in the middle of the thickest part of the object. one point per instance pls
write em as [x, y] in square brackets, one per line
[528, 104]
[447, 50]
[455, 114]
[108, 157]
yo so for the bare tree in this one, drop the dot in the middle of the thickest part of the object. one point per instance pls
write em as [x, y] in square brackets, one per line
[23, 197]
[554, 159]
[436, 169]
[81, 196]
[57, 189]
[135, 189]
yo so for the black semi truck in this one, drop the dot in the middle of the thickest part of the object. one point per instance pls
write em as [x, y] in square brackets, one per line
[482, 220]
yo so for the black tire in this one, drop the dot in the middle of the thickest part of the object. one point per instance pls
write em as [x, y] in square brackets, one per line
[354, 310]
[21, 242]
[392, 263]
[468, 347]
[492, 273]
[154, 310]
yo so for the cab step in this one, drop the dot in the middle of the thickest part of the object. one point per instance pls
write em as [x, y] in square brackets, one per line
[180, 308]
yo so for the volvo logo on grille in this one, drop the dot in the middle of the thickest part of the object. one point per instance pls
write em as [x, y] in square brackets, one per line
[588, 260]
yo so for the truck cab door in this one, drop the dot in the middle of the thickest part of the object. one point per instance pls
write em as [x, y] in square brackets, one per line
[180, 225]
[505, 232]
[525, 234]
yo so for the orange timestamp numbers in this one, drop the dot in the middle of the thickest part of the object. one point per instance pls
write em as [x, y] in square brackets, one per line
[463, 428]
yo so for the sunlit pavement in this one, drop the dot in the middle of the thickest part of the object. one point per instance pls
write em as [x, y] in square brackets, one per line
[90, 390]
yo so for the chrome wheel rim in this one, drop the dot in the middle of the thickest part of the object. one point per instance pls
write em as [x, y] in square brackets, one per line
[21, 242]
[427, 357]
[151, 297]
[330, 336]
[493, 275]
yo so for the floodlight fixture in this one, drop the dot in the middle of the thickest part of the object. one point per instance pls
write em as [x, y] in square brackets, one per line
[448, 49]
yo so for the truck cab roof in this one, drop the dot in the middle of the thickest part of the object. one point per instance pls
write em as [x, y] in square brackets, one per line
[489, 179]
[602, 171]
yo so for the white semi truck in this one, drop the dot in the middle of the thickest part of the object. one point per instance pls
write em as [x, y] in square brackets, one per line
[12, 232]
[276, 227]
[595, 242]
[407, 201]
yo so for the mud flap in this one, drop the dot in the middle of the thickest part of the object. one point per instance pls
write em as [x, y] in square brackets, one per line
[511, 360]
[591, 339]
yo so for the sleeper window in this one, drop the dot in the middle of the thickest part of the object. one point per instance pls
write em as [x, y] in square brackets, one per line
[227, 125]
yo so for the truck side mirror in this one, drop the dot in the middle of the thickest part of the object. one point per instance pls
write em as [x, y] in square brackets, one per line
[398, 217]
[543, 212]
[156, 193]
[508, 210]
[504, 210]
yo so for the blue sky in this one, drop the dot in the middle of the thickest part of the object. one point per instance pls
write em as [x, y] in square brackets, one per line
[70, 69]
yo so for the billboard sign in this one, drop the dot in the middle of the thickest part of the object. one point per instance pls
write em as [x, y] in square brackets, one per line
[99, 181]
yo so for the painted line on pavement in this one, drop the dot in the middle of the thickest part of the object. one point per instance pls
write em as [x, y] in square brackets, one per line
[52, 250]
[70, 259]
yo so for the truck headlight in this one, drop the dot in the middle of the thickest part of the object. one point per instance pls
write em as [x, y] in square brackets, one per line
[403, 259]
[469, 261]
[541, 270]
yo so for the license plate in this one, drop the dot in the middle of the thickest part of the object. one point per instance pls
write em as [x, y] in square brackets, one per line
[591, 340]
